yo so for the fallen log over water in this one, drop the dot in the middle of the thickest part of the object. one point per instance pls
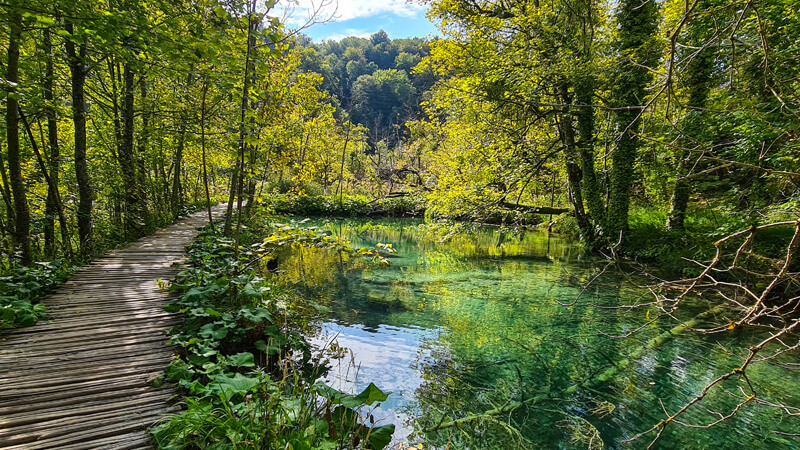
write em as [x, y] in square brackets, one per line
[545, 210]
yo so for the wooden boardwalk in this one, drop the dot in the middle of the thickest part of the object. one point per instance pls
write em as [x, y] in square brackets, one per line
[81, 378]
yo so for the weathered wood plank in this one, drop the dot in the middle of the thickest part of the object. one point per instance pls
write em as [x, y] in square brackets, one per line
[79, 380]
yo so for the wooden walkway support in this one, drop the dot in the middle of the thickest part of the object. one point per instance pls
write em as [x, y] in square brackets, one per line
[83, 378]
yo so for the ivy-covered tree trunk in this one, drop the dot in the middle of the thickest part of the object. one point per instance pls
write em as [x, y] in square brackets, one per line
[697, 78]
[21, 211]
[638, 22]
[584, 90]
[78, 69]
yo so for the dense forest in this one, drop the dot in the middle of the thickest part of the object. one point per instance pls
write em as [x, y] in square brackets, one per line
[663, 135]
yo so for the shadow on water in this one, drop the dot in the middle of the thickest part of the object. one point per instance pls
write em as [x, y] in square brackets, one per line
[467, 322]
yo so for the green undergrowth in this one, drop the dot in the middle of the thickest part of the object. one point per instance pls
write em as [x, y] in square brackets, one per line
[23, 287]
[247, 374]
[649, 240]
[349, 206]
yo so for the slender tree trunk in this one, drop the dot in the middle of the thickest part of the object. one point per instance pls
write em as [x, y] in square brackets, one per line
[680, 195]
[51, 182]
[7, 198]
[77, 61]
[237, 177]
[176, 175]
[23, 223]
[52, 132]
[164, 176]
[341, 168]
[231, 198]
[113, 71]
[177, 163]
[574, 173]
[251, 183]
[142, 155]
[203, 149]
[131, 210]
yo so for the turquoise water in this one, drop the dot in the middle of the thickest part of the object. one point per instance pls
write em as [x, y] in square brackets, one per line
[464, 323]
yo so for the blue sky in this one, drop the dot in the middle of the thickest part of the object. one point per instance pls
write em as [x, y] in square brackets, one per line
[399, 18]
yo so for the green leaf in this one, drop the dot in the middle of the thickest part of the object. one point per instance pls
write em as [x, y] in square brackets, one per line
[251, 291]
[214, 331]
[256, 315]
[368, 396]
[45, 21]
[239, 384]
[371, 395]
[245, 359]
[380, 437]
[178, 370]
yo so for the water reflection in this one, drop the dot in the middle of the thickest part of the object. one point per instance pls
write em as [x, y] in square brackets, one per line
[467, 323]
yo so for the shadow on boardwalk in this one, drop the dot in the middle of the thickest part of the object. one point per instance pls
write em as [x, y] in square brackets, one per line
[80, 378]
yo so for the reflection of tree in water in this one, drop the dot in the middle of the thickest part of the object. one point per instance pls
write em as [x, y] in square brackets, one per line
[518, 364]
[508, 363]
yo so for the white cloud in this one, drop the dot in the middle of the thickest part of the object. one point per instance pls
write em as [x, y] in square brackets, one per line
[300, 11]
[348, 33]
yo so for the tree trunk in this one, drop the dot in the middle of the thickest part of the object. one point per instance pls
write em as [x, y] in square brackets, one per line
[622, 162]
[251, 183]
[176, 175]
[177, 163]
[132, 210]
[7, 198]
[85, 195]
[237, 177]
[51, 183]
[638, 22]
[697, 79]
[574, 173]
[584, 90]
[203, 149]
[52, 133]
[141, 172]
[341, 169]
[680, 196]
[21, 211]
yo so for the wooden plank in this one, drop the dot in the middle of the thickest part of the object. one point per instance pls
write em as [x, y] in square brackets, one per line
[58, 378]
[77, 394]
[46, 329]
[106, 332]
[80, 379]
[132, 441]
[104, 426]
[84, 347]
[89, 357]
[150, 401]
